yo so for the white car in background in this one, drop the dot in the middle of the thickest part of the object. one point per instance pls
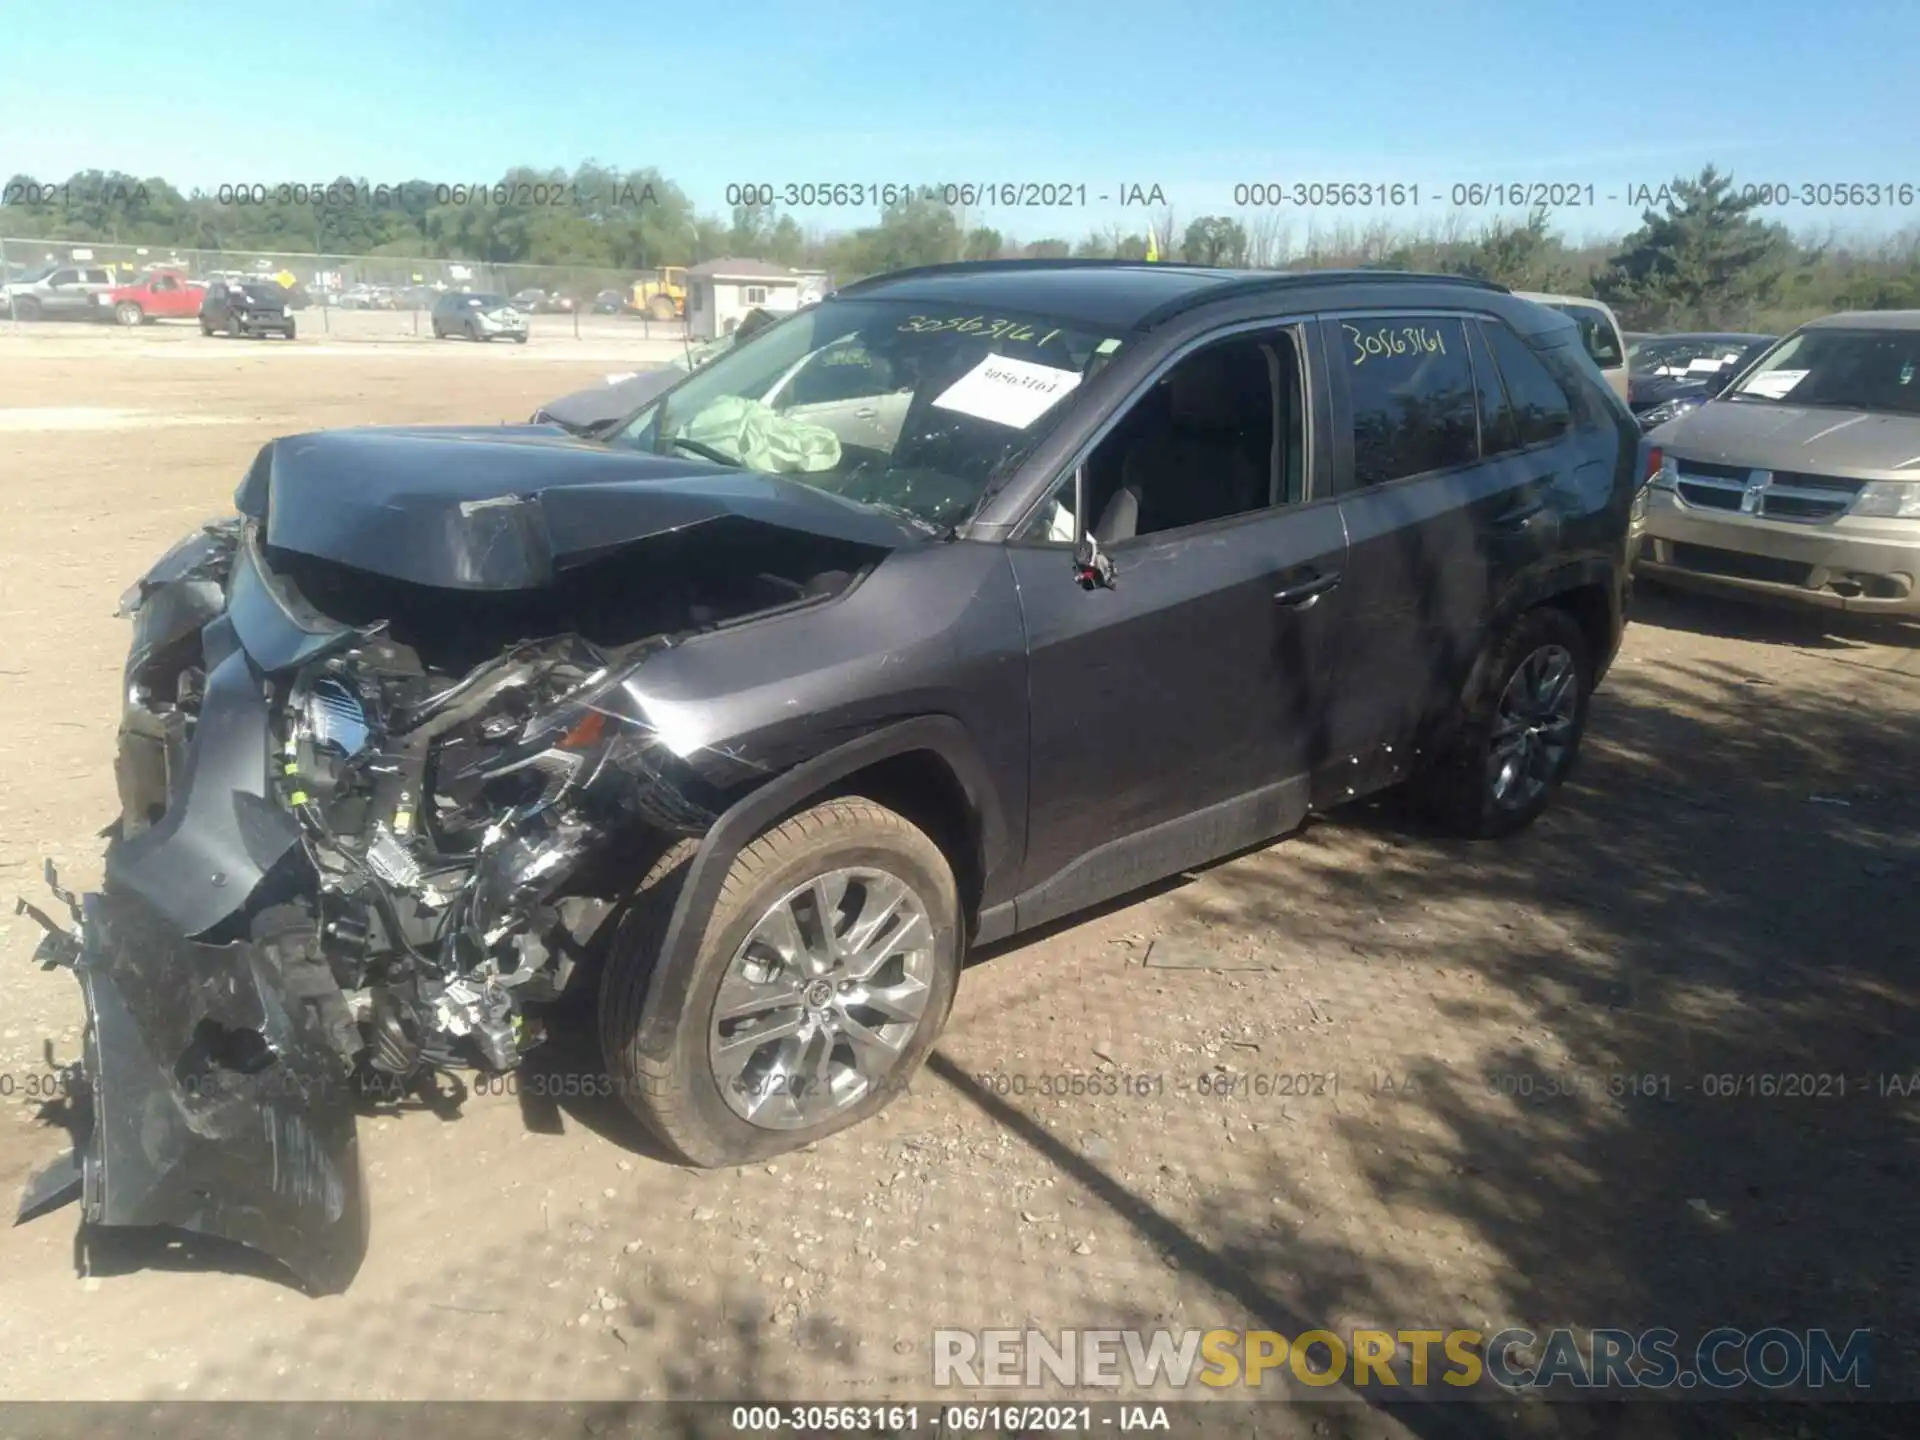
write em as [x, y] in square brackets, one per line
[58, 292]
[1599, 332]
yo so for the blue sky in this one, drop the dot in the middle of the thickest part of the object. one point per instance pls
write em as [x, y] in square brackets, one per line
[1193, 98]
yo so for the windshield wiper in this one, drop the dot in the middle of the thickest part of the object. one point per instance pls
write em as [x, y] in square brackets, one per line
[913, 518]
[705, 451]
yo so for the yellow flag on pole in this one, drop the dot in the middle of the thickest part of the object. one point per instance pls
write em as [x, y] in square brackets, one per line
[1153, 246]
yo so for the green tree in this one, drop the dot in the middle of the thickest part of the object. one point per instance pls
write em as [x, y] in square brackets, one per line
[983, 242]
[1703, 260]
[1215, 240]
[917, 231]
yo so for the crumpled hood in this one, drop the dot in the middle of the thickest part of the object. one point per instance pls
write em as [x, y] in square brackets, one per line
[508, 507]
[614, 400]
[1821, 441]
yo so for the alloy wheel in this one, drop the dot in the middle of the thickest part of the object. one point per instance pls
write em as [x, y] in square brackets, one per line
[822, 999]
[1534, 726]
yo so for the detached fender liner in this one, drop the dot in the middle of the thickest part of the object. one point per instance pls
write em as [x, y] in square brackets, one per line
[218, 1104]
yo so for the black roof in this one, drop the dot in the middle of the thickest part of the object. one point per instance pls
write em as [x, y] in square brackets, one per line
[1112, 295]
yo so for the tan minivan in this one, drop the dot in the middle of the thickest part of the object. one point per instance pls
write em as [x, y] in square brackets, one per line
[1599, 332]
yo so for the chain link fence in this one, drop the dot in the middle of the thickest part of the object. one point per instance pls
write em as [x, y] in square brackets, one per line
[350, 296]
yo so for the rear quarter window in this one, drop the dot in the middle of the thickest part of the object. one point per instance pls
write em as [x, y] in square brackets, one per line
[1541, 408]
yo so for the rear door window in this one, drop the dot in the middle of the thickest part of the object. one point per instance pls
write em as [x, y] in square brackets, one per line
[1411, 397]
[1541, 410]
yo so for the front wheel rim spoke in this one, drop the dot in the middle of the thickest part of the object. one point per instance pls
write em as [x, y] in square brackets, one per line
[879, 903]
[909, 935]
[902, 1004]
[872, 1050]
[741, 999]
[777, 1031]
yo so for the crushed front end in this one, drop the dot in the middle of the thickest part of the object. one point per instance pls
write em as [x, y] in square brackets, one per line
[346, 865]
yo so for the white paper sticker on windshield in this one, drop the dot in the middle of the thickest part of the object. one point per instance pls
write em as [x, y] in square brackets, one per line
[1008, 391]
[1697, 367]
[1775, 384]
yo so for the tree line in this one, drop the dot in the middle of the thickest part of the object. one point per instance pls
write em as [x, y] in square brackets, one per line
[1700, 258]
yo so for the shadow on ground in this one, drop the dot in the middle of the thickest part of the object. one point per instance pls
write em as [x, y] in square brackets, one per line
[1739, 864]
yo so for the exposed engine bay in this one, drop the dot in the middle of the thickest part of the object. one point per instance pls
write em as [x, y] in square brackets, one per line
[450, 817]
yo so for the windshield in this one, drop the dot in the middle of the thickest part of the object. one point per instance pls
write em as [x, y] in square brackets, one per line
[1695, 357]
[907, 406]
[267, 292]
[703, 354]
[1850, 369]
[488, 302]
[33, 276]
[1597, 333]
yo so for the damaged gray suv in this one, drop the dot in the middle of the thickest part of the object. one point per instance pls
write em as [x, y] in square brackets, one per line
[960, 602]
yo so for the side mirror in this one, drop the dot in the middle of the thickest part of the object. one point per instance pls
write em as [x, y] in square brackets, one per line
[1721, 378]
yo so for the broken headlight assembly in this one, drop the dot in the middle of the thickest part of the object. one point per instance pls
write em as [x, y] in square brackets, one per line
[444, 821]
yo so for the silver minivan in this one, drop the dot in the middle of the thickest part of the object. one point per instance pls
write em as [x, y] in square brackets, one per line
[1599, 333]
[1801, 478]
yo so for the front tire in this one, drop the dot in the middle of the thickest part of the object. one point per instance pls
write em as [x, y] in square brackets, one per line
[1517, 732]
[789, 1030]
[27, 308]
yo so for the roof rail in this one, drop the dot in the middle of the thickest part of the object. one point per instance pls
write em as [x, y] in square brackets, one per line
[987, 267]
[1230, 285]
[1260, 282]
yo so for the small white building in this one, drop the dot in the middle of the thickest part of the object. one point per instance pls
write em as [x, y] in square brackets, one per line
[721, 292]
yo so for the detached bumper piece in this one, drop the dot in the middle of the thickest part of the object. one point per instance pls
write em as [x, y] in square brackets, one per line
[218, 1104]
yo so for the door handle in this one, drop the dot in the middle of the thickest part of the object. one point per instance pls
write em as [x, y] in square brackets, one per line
[865, 413]
[1521, 513]
[1303, 593]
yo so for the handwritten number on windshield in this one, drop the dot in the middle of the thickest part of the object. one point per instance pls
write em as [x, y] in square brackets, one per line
[980, 325]
[1413, 340]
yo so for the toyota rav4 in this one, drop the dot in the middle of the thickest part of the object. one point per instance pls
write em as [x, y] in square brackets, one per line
[967, 599]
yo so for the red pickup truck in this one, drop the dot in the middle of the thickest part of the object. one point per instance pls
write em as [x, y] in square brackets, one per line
[160, 295]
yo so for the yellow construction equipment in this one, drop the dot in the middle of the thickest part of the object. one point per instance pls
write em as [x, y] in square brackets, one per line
[661, 294]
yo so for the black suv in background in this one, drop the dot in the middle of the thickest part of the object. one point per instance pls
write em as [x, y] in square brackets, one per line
[966, 599]
[246, 307]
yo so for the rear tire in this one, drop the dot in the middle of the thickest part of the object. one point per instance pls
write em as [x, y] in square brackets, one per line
[129, 313]
[661, 1056]
[1521, 724]
[661, 308]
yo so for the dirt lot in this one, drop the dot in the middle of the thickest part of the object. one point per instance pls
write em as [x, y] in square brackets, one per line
[1728, 889]
[589, 334]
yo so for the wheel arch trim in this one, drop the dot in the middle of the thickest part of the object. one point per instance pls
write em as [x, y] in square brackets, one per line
[942, 735]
